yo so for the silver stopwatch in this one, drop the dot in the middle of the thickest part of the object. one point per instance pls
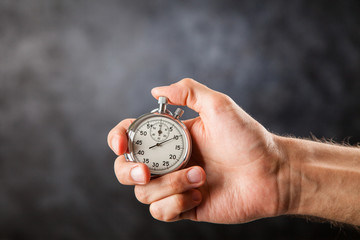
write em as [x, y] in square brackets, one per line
[159, 140]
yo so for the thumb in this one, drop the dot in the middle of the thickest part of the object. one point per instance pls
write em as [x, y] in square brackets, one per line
[188, 92]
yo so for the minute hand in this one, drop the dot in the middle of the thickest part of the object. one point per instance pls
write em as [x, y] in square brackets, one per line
[158, 144]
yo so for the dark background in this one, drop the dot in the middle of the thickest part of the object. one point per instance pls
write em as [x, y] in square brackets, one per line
[70, 70]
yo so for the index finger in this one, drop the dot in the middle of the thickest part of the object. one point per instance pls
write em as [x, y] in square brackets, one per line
[195, 95]
[186, 92]
[117, 137]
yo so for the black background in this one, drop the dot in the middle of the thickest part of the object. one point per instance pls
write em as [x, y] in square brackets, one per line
[71, 70]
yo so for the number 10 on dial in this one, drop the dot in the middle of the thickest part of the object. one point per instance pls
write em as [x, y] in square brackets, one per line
[159, 140]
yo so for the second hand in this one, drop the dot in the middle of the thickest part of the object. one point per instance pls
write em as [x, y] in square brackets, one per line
[158, 144]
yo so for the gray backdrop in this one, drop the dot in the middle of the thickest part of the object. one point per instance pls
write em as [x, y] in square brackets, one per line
[70, 70]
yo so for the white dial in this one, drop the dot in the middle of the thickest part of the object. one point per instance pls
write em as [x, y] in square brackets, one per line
[159, 142]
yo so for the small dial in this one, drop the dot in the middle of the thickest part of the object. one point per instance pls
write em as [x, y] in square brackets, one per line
[166, 150]
[159, 131]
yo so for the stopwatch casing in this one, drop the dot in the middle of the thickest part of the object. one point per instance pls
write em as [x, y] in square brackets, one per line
[159, 140]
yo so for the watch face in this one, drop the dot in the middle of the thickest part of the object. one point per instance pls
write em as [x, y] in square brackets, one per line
[159, 141]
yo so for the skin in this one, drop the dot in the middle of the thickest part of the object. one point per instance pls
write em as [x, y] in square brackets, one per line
[238, 171]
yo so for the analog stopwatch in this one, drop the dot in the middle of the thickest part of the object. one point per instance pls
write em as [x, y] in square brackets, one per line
[159, 140]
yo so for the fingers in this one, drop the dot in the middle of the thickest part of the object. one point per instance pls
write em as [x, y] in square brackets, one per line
[171, 208]
[117, 138]
[130, 173]
[185, 92]
[170, 184]
[173, 196]
[192, 94]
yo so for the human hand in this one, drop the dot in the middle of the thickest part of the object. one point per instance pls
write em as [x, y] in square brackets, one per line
[234, 171]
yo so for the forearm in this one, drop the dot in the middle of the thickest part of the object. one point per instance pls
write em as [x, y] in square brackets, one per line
[324, 180]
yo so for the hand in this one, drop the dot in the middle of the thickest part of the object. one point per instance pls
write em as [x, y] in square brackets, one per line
[234, 171]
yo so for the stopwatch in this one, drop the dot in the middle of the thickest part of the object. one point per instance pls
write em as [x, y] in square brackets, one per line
[159, 140]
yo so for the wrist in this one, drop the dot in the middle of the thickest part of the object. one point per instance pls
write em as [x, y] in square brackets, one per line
[319, 180]
[289, 175]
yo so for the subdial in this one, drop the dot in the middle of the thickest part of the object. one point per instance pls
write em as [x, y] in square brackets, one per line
[159, 131]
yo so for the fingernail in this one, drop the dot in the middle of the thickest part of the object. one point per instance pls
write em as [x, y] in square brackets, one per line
[115, 144]
[194, 175]
[196, 196]
[137, 175]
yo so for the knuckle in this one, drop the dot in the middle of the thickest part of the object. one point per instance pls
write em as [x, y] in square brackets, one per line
[141, 194]
[179, 202]
[159, 214]
[174, 182]
[174, 207]
[189, 91]
[155, 212]
[187, 82]
[167, 218]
